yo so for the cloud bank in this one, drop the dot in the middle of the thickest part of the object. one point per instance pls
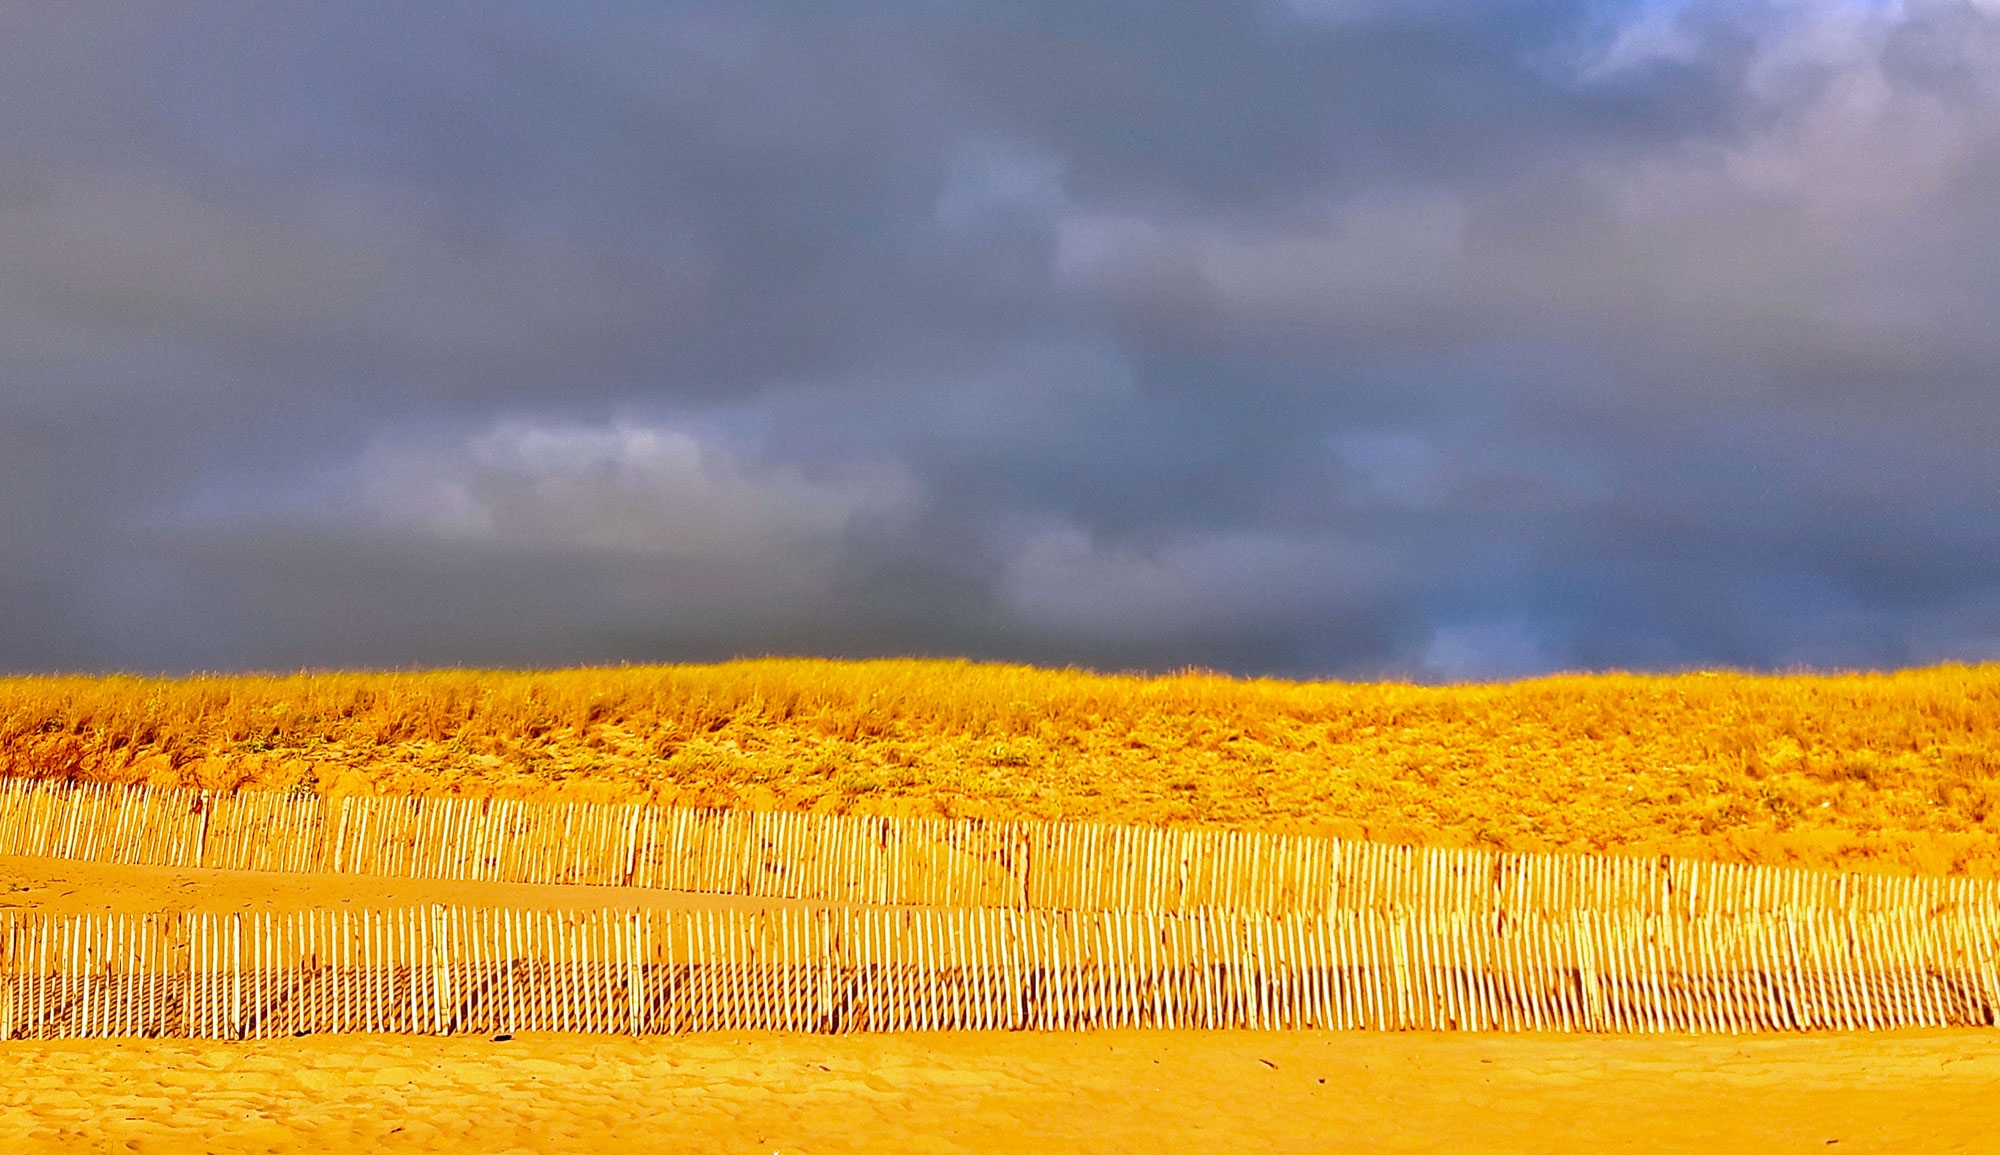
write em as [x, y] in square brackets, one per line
[1326, 339]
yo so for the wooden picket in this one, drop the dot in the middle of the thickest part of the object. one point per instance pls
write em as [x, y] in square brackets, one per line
[903, 861]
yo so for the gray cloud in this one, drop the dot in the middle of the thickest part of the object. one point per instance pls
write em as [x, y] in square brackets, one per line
[1317, 338]
[624, 488]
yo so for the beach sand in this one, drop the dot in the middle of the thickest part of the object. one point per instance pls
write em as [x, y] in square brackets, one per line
[1141, 1091]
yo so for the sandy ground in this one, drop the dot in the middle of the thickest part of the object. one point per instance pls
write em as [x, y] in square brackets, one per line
[1112, 1091]
[1928, 1091]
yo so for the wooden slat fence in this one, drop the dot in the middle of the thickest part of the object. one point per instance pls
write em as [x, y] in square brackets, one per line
[902, 861]
[443, 970]
[144, 825]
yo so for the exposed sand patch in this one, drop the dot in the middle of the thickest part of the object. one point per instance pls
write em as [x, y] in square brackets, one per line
[1929, 1091]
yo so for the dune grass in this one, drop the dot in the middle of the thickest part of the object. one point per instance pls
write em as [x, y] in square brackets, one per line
[1893, 771]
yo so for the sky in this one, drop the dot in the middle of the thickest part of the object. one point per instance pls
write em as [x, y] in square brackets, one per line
[1429, 339]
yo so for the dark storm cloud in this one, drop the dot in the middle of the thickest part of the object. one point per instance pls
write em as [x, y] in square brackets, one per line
[1324, 337]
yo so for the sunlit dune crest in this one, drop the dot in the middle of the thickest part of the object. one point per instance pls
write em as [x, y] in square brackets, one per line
[1897, 772]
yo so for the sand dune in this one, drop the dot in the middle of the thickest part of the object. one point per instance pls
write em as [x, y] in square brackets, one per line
[1888, 772]
[1142, 1091]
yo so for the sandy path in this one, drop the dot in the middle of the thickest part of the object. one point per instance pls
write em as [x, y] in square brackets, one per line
[60, 886]
[1112, 1091]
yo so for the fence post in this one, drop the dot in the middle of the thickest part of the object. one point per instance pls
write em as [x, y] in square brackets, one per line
[235, 947]
[7, 978]
[635, 978]
[441, 987]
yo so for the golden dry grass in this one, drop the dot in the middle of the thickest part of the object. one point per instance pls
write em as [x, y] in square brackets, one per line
[1876, 771]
